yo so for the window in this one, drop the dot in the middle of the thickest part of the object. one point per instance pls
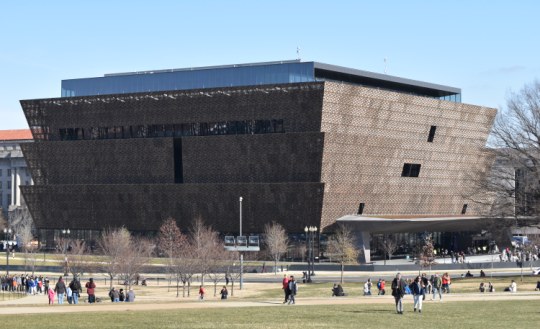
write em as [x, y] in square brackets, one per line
[9, 184]
[361, 208]
[410, 170]
[9, 199]
[0, 172]
[0, 184]
[9, 172]
[464, 209]
[431, 134]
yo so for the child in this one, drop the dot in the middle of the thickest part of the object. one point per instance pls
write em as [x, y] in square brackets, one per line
[51, 296]
[201, 293]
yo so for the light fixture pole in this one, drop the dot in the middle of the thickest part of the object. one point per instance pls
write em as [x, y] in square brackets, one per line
[308, 246]
[65, 233]
[313, 233]
[241, 255]
[7, 238]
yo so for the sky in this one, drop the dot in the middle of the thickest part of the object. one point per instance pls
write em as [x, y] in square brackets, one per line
[487, 48]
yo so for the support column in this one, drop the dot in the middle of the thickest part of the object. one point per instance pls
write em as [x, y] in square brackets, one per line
[363, 244]
[17, 188]
[13, 189]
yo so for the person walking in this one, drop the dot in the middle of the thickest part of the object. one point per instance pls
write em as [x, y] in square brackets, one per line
[417, 288]
[367, 288]
[292, 290]
[69, 294]
[446, 282]
[50, 293]
[76, 290]
[60, 290]
[437, 286]
[91, 290]
[398, 291]
[285, 287]
[201, 293]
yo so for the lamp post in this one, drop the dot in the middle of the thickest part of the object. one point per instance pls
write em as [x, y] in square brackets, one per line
[241, 255]
[7, 238]
[65, 233]
[310, 244]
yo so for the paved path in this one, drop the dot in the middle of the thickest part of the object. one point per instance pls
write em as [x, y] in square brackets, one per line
[38, 304]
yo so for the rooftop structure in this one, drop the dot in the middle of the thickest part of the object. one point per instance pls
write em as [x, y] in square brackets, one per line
[253, 74]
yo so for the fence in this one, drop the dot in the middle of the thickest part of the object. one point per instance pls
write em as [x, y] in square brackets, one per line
[9, 295]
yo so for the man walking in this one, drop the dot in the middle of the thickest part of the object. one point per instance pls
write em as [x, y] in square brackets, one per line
[398, 291]
[60, 290]
[76, 289]
[437, 286]
[292, 290]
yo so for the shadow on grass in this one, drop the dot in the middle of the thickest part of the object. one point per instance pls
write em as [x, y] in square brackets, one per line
[371, 311]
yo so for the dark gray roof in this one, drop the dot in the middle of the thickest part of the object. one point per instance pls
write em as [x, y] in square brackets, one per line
[340, 73]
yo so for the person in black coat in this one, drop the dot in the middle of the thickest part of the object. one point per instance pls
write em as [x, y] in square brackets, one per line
[398, 291]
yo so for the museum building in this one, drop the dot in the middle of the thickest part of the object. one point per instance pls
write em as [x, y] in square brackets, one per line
[304, 144]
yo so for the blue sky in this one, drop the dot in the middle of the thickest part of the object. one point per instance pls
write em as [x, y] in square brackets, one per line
[487, 48]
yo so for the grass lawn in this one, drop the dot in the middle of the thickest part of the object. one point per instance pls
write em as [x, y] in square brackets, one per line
[488, 314]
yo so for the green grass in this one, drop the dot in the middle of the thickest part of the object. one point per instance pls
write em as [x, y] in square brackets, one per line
[459, 285]
[487, 314]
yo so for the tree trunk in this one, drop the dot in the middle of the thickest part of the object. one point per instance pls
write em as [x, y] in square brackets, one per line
[232, 288]
[342, 269]
[184, 289]
[275, 266]
[177, 287]
[385, 259]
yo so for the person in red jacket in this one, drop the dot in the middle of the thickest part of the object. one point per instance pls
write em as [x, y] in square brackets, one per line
[285, 287]
[90, 290]
[201, 293]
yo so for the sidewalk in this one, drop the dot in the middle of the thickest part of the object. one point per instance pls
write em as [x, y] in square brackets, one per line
[37, 304]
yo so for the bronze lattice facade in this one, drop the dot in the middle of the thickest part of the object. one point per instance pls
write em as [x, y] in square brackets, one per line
[298, 153]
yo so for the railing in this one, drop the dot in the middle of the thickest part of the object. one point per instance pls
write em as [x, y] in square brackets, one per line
[9, 295]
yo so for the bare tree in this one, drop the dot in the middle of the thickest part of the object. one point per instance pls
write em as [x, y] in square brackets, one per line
[389, 245]
[113, 243]
[511, 191]
[3, 221]
[78, 258]
[170, 240]
[276, 241]
[134, 259]
[20, 218]
[217, 269]
[203, 240]
[342, 245]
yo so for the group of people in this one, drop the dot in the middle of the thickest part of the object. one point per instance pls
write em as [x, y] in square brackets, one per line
[118, 295]
[72, 292]
[290, 288]
[31, 284]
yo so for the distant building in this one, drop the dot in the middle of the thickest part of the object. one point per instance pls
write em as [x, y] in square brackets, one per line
[13, 169]
[304, 144]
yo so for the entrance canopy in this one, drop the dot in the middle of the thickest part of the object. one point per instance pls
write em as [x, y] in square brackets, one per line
[419, 223]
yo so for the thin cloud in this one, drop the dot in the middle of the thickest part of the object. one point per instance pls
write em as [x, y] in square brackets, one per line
[505, 70]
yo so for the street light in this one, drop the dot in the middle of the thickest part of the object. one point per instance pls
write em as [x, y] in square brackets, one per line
[7, 244]
[65, 233]
[241, 255]
[310, 244]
